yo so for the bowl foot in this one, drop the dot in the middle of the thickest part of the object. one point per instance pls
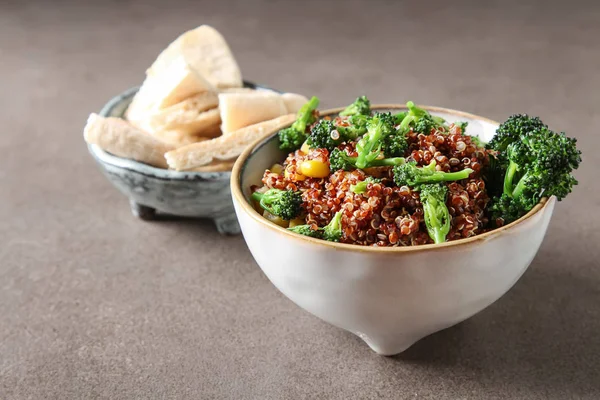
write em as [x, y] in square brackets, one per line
[143, 212]
[387, 346]
[228, 225]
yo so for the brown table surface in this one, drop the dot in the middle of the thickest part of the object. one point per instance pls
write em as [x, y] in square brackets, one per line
[97, 304]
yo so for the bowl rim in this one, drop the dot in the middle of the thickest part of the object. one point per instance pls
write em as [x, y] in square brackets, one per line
[135, 166]
[237, 194]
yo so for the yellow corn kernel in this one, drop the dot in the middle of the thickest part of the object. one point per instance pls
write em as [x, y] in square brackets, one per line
[292, 176]
[296, 222]
[276, 169]
[314, 169]
[305, 147]
[275, 219]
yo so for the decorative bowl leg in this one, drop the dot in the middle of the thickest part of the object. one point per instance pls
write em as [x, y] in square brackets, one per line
[227, 224]
[143, 212]
[388, 345]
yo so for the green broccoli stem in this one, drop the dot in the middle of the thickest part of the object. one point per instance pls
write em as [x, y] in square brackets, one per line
[367, 150]
[257, 196]
[409, 117]
[438, 236]
[260, 197]
[305, 114]
[416, 114]
[437, 229]
[434, 225]
[446, 176]
[399, 117]
[521, 185]
[508, 178]
[405, 124]
[360, 187]
[333, 230]
[510, 189]
[336, 222]
[436, 232]
[351, 162]
[387, 162]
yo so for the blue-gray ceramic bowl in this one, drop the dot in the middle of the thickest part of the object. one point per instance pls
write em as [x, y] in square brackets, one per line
[151, 190]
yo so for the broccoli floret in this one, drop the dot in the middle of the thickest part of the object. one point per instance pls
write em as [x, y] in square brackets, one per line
[361, 106]
[357, 125]
[361, 187]
[370, 146]
[285, 204]
[325, 134]
[333, 230]
[436, 215]
[425, 124]
[420, 120]
[538, 162]
[513, 129]
[321, 135]
[292, 138]
[410, 175]
[306, 230]
[395, 145]
[509, 131]
[509, 209]
[339, 159]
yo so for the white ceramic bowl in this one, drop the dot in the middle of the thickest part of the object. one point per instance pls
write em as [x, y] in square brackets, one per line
[389, 297]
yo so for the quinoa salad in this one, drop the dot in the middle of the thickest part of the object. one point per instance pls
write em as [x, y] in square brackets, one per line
[410, 178]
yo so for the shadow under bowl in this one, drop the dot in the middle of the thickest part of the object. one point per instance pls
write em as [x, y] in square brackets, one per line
[390, 297]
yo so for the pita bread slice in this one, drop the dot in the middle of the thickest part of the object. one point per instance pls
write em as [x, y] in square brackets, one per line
[223, 148]
[122, 139]
[212, 132]
[205, 50]
[192, 115]
[181, 138]
[237, 90]
[242, 109]
[218, 166]
[293, 102]
[177, 138]
[179, 82]
[142, 102]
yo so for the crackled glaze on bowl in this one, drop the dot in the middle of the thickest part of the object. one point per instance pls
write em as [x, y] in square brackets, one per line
[150, 189]
[389, 297]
